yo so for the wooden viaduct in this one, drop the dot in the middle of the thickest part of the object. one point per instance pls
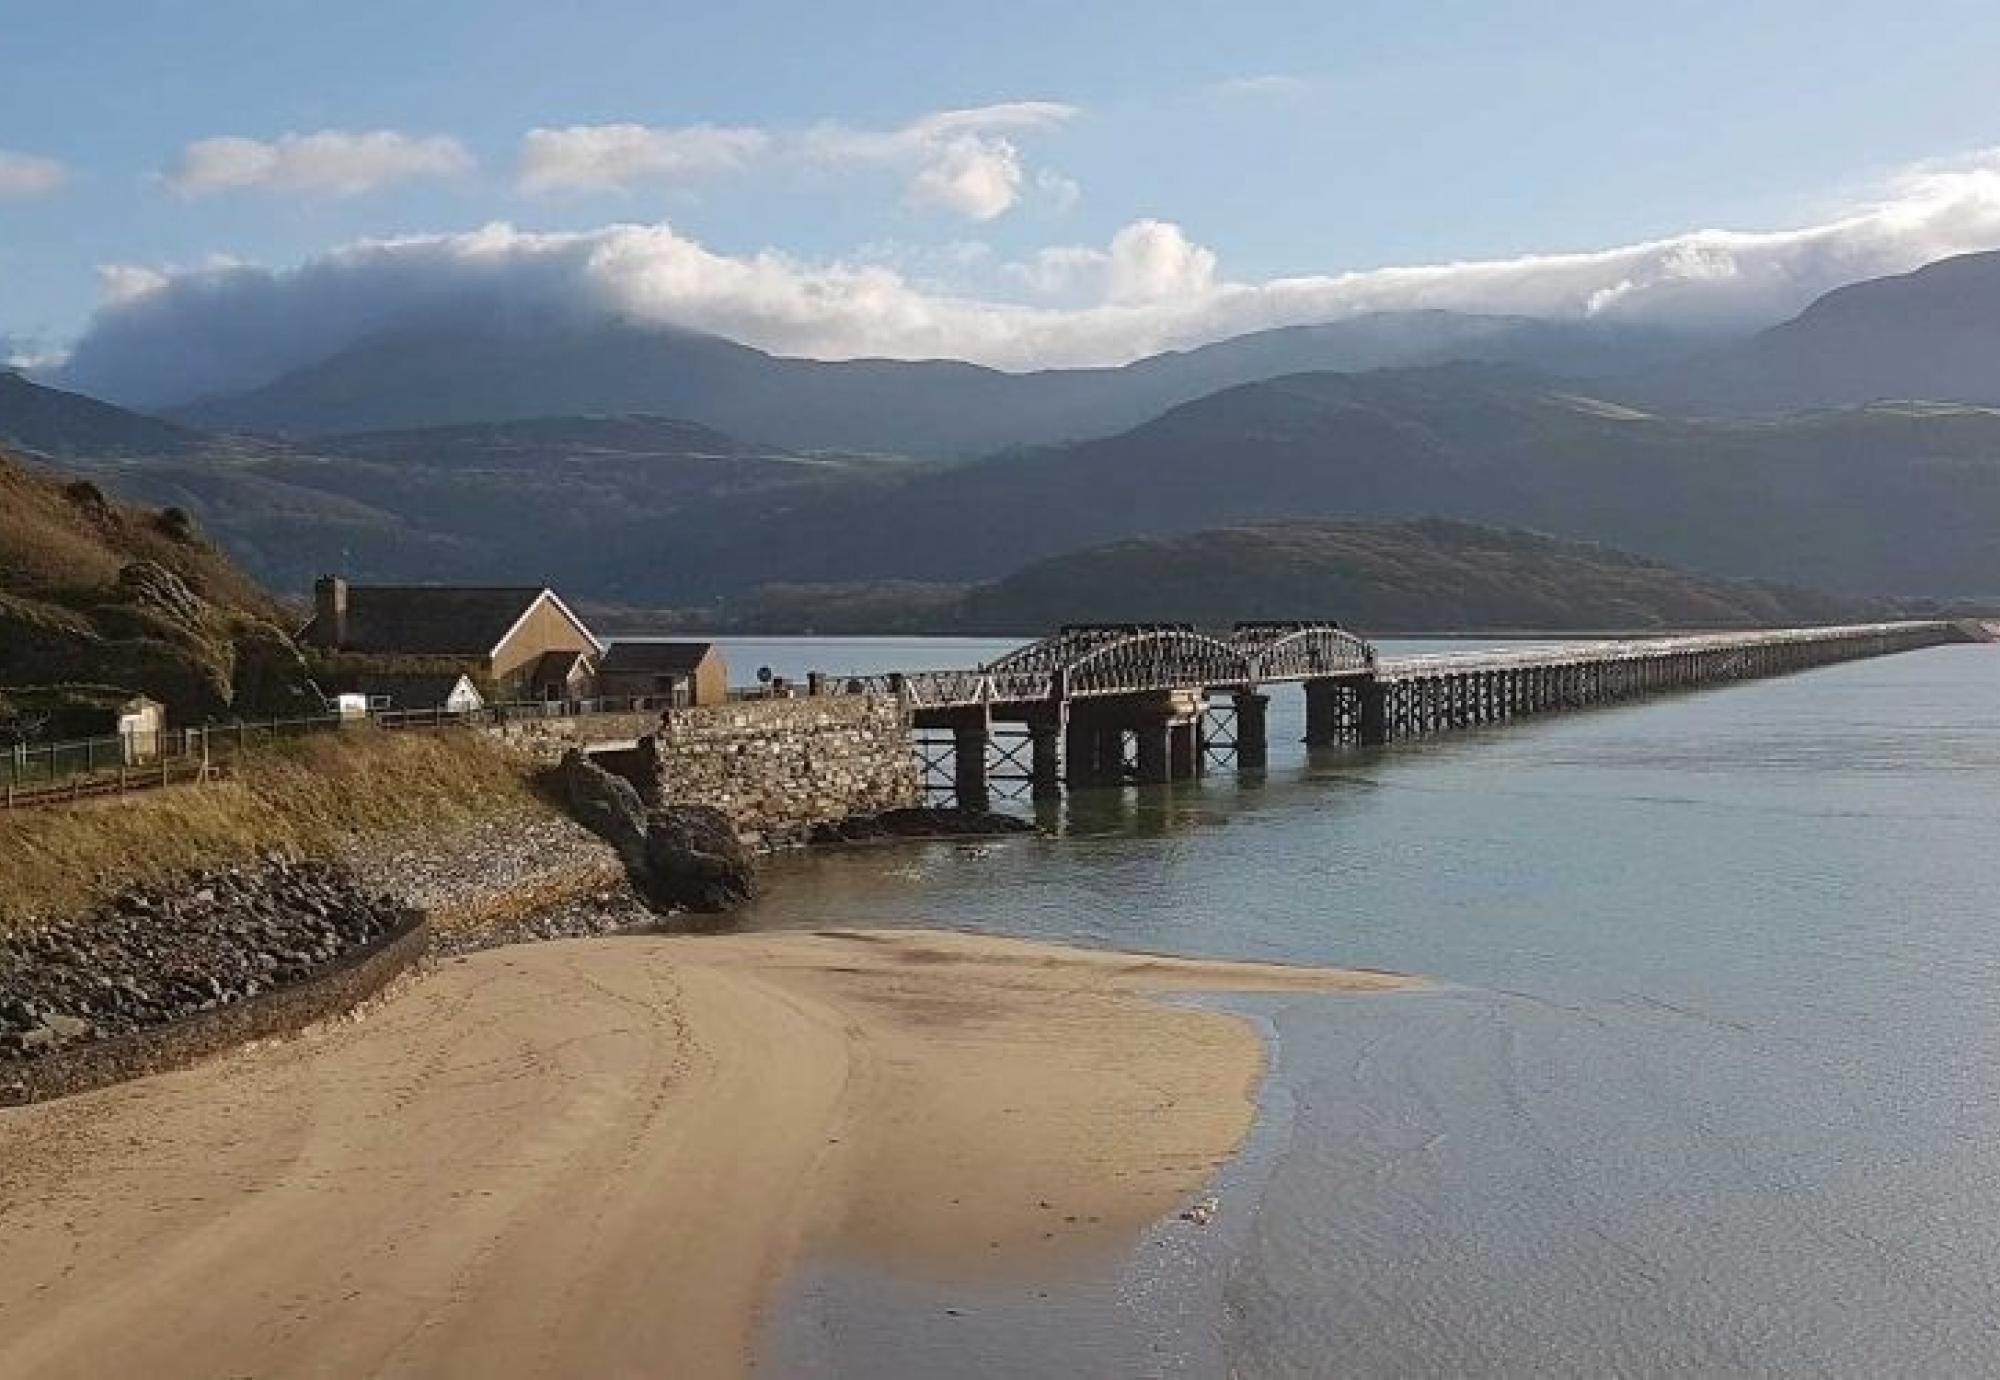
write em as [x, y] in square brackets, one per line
[1107, 703]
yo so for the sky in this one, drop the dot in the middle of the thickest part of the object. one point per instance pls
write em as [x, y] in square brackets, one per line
[194, 195]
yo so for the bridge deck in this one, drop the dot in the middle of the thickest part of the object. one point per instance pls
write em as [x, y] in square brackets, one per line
[1566, 654]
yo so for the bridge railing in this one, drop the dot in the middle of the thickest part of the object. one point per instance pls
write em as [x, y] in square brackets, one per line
[1631, 649]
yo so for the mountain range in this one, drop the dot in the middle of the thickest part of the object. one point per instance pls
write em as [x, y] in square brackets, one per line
[472, 370]
[1854, 449]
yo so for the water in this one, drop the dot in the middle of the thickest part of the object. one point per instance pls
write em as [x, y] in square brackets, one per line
[1709, 1084]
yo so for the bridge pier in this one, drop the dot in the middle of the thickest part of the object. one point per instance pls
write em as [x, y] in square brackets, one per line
[1322, 713]
[1374, 713]
[1184, 749]
[1253, 741]
[971, 731]
[1045, 758]
[1156, 763]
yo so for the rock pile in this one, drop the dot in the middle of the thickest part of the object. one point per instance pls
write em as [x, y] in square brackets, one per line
[158, 954]
[920, 822]
[679, 857]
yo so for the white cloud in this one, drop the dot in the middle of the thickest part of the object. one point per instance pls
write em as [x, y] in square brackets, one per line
[962, 160]
[167, 335]
[617, 157]
[1148, 261]
[332, 162]
[1273, 86]
[1059, 193]
[978, 178]
[23, 175]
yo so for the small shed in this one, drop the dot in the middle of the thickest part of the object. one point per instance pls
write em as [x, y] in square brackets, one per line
[142, 723]
[683, 673]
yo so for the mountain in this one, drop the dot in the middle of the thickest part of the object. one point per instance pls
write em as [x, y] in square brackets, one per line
[1426, 574]
[481, 503]
[1933, 334]
[1400, 576]
[479, 370]
[1897, 499]
[49, 421]
[1880, 500]
[101, 600]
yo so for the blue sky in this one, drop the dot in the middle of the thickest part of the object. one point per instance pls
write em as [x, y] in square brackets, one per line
[1283, 140]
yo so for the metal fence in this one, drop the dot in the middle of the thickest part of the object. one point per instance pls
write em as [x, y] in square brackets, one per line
[47, 773]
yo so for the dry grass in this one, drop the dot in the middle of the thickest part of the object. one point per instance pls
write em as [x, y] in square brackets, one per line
[304, 798]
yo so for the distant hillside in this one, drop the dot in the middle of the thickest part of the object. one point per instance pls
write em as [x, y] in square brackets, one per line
[1892, 500]
[481, 503]
[463, 372]
[100, 600]
[1425, 574]
[1933, 334]
[52, 422]
[1421, 574]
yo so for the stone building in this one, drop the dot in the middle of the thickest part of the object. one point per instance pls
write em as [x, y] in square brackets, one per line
[516, 643]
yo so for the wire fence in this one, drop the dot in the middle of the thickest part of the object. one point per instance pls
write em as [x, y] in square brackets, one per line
[77, 769]
[48, 773]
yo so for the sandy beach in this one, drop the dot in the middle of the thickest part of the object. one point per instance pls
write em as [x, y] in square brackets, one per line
[596, 1157]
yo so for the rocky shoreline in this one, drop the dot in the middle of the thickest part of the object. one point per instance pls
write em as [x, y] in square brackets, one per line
[155, 955]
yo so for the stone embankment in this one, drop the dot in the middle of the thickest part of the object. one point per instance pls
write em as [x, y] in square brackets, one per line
[156, 958]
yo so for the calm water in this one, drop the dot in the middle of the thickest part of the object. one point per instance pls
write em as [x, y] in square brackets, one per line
[1710, 1084]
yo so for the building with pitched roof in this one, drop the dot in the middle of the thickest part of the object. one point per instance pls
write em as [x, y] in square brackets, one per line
[520, 642]
[689, 673]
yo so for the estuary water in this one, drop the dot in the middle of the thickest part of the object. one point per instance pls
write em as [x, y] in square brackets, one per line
[1709, 1082]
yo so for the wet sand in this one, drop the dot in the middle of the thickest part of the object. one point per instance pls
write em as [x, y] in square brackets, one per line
[597, 1157]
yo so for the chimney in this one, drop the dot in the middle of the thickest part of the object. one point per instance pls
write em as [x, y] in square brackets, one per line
[330, 612]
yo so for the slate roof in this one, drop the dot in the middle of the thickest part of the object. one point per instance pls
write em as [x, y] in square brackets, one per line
[655, 658]
[430, 620]
[415, 690]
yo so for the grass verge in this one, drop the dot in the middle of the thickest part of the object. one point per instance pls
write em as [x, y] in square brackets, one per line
[302, 798]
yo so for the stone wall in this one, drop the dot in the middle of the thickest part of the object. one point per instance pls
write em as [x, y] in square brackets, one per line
[778, 767]
[546, 739]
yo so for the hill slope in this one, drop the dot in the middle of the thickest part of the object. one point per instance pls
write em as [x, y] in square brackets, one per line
[1426, 574]
[1421, 574]
[49, 421]
[99, 600]
[481, 503]
[1932, 334]
[1875, 501]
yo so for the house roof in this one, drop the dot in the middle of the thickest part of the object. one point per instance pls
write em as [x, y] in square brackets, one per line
[555, 666]
[656, 658]
[411, 690]
[436, 620]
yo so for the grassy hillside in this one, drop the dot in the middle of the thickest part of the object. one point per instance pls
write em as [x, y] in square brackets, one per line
[308, 797]
[105, 600]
